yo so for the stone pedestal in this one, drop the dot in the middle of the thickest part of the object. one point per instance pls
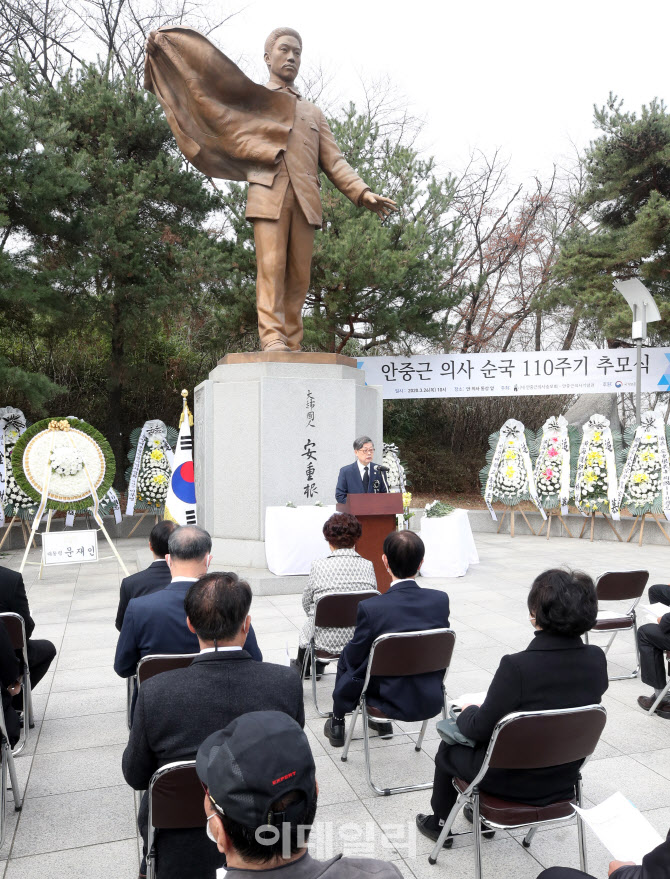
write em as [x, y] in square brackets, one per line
[269, 429]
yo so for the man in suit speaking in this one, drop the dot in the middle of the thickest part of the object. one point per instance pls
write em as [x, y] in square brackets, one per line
[361, 477]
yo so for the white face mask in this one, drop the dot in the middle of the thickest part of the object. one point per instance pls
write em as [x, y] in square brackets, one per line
[210, 835]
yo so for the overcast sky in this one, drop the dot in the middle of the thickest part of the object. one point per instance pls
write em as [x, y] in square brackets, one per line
[521, 76]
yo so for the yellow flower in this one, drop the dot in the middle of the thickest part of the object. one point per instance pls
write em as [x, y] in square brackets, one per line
[157, 455]
[510, 455]
[647, 455]
[597, 436]
[159, 479]
[640, 477]
[406, 498]
[509, 473]
[590, 476]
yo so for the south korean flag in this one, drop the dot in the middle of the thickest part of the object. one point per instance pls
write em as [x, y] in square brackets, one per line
[180, 501]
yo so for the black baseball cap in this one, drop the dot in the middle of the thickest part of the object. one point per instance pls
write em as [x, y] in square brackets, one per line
[255, 761]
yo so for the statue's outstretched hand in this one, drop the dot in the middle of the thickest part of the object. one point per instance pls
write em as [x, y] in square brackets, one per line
[379, 204]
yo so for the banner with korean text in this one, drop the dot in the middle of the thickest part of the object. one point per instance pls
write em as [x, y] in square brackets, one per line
[596, 371]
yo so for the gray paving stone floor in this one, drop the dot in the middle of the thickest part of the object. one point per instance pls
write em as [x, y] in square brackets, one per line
[79, 820]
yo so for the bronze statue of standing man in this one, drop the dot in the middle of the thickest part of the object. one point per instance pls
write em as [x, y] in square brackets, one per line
[229, 127]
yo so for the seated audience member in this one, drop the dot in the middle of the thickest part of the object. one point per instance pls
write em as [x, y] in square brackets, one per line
[13, 599]
[10, 679]
[156, 623]
[556, 670]
[655, 865]
[406, 607]
[653, 639]
[151, 579]
[177, 710]
[259, 771]
[341, 571]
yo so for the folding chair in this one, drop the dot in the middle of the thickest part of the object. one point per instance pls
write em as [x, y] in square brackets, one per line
[7, 759]
[155, 663]
[619, 586]
[664, 691]
[131, 683]
[16, 628]
[333, 610]
[400, 654]
[176, 802]
[528, 740]
[149, 666]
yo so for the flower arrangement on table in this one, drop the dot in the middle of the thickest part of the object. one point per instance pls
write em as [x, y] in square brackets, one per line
[558, 445]
[438, 510]
[397, 472]
[13, 499]
[596, 488]
[508, 474]
[644, 485]
[63, 464]
[406, 514]
[150, 455]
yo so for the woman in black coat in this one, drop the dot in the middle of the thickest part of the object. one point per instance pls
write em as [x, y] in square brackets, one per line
[556, 670]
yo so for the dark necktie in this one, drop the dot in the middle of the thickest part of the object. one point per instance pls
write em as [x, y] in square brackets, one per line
[366, 479]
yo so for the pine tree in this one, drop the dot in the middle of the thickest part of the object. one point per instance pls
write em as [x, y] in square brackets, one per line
[627, 194]
[116, 248]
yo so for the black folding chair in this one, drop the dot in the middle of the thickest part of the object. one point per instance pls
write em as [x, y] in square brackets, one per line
[620, 586]
[332, 610]
[402, 654]
[156, 663]
[16, 629]
[528, 740]
[176, 802]
[7, 759]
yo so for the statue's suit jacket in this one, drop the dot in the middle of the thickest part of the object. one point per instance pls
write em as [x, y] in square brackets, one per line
[230, 127]
[311, 146]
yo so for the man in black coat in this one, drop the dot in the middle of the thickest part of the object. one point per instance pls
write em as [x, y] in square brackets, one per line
[13, 599]
[653, 639]
[151, 579]
[177, 710]
[655, 865]
[406, 607]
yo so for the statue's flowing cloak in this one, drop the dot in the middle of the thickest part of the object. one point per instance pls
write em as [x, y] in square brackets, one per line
[226, 125]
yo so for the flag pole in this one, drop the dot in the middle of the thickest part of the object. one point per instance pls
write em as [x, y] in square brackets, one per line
[185, 410]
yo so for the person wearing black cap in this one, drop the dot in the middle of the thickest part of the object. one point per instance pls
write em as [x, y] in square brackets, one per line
[177, 709]
[260, 800]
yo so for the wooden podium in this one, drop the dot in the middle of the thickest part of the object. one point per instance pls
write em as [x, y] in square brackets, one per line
[377, 515]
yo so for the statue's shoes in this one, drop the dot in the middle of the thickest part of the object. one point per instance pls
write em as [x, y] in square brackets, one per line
[277, 345]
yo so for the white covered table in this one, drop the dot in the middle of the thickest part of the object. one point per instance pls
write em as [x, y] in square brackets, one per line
[450, 546]
[294, 538]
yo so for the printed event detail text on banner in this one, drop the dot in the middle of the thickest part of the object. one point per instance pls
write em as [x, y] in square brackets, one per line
[521, 372]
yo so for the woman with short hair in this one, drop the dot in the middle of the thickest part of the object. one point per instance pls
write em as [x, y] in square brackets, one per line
[556, 670]
[344, 570]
